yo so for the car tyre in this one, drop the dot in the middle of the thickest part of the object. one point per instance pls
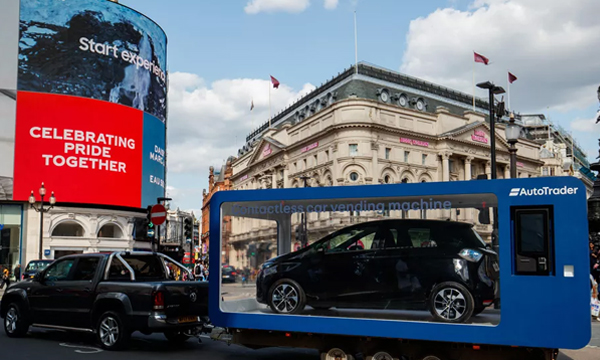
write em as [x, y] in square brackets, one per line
[176, 337]
[286, 297]
[451, 302]
[111, 331]
[15, 321]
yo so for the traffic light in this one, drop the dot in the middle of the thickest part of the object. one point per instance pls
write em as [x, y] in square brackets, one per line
[187, 228]
[149, 215]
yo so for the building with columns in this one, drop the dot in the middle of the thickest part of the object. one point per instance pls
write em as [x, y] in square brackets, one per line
[371, 127]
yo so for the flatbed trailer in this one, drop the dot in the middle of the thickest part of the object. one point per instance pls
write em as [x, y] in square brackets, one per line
[545, 294]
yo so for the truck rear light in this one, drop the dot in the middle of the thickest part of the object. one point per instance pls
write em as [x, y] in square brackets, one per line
[487, 302]
[159, 300]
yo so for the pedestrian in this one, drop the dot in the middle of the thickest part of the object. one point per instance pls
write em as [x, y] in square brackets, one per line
[5, 278]
[17, 273]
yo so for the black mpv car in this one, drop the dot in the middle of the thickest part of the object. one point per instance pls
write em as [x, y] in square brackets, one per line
[442, 266]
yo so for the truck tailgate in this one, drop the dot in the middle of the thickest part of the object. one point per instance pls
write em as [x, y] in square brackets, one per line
[185, 298]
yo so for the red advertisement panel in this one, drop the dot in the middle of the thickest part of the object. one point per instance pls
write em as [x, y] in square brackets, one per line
[86, 151]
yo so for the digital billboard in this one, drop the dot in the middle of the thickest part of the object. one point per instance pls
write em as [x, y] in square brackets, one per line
[91, 103]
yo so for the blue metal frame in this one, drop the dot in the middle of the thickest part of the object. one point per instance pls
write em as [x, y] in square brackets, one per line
[537, 311]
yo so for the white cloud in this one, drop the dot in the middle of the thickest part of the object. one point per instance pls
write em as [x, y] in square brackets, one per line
[550, 45]
[331, 4]
[270, 6]
[207, 124]
[584, 125]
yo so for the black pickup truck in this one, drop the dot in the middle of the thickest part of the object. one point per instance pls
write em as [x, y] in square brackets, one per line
[110, 295]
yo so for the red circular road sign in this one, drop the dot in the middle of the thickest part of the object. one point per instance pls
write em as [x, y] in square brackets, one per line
[158, 214]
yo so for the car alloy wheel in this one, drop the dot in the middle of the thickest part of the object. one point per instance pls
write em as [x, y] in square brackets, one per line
[109, 331]
[10, 320]
[285, 298]
[450, 304]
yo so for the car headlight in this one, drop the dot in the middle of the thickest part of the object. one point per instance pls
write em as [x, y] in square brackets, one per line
[269, 270]
[470, 255]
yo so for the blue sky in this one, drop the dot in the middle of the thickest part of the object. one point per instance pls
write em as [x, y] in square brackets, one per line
[220, 54]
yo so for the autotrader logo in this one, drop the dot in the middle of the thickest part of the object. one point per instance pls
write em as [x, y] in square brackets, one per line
[543, 191]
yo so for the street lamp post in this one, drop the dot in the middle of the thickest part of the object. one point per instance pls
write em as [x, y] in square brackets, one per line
[594, 200]
[41, 210]
[304, 216]
[513, 131]
[492, 90]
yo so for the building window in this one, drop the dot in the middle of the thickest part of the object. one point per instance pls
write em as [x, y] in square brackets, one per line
[354, 176]
[281, 174]
[387, 153]
[68, 229]
[387, 179]
[552, 171]
[295, 167]
[353, 149]
[406, 153]
[315, 160]
[405, 181]
[326, 155]
[451, 166]
[545, 171]
[305, 164]
[110, 231]
[423, 159]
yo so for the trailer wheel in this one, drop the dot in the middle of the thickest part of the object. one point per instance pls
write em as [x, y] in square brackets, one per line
[286, 297]
[451, 302]
[336, 354]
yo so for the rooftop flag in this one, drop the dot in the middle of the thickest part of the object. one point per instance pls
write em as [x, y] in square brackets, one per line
[275, 82]
[480, 58]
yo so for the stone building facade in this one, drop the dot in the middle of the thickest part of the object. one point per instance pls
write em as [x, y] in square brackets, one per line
[368, 128]
[217, 181]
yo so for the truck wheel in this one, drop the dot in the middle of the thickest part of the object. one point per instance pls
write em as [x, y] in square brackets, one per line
[176, 337]
[15, 323]
[286, 297]
[111, 331]
[451, 302]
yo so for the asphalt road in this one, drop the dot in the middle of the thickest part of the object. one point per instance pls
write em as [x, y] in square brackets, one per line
[57, 345]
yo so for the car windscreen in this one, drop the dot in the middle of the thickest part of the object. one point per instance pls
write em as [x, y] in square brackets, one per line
[37, 265]
[228, 270]
[146, 268]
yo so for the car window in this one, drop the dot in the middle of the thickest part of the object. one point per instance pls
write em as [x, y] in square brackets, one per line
[146, 268]
[37, 265]
[358, 238]
[421, 238]
[85, 270]
[59, 271]
[118, 271]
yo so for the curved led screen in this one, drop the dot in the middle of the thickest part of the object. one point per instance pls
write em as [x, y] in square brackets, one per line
[91, 103]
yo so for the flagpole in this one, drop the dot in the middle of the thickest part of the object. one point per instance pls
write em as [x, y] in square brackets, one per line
[269, 104]
[508, 89]
[355, 44]
[473, 86]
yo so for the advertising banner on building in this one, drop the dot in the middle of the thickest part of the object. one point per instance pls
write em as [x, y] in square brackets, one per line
[91, 103]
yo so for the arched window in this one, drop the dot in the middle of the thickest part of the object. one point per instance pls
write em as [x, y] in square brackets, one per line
[110, 231]
[68, 229]
[387, 179]
[405, 180]
[353, 176]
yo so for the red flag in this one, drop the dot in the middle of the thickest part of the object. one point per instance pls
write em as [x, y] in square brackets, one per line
[275, 82]
[480, 58]
[511, 78]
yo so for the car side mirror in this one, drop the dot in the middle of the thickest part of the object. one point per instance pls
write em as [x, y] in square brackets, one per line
[38, 277]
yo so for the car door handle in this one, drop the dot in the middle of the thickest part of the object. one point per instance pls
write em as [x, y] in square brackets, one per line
[88, 290]
[59, 290]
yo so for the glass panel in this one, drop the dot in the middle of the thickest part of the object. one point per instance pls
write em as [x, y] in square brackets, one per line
[59, 271]
[364, 257]
[86, 269]
[533, 234]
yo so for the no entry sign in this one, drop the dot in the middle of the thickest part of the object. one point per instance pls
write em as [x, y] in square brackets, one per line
[158, 214]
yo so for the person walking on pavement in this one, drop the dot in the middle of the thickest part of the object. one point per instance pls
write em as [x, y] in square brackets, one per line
[17, 273]
[5, 278]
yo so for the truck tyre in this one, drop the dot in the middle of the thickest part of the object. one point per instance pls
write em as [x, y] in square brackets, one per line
[176, 337]
[111, 331]
[286, 297]
[15, 321]
[451, 302]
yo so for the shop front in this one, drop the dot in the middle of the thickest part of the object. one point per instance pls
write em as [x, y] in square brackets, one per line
[10, 235]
